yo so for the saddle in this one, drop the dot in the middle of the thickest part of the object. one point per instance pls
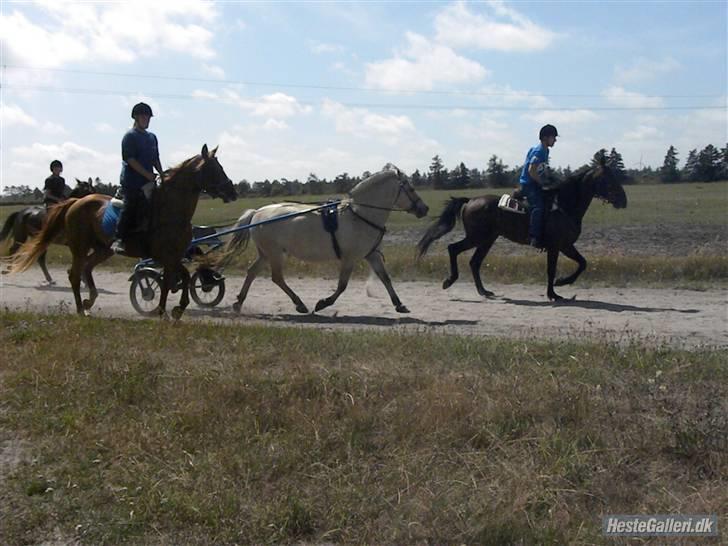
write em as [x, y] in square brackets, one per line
[518, 203]
[330, 219]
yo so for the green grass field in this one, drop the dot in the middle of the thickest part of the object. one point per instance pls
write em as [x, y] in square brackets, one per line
[665, 208]
[143, 432]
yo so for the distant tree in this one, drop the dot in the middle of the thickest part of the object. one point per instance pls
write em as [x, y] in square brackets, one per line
[477, 180]
[262, 188]
[342, 183]
[242, 188]
[566, 172]
[438, 174]
[600, 158]
[496, 173]
[37, 194]
[669, 171]
[615, 162]
[690, 170]
[417, 179]
[365, 175]
[460, 177]
[709, 163]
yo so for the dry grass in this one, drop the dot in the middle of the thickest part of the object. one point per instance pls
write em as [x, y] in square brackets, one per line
[142, 432]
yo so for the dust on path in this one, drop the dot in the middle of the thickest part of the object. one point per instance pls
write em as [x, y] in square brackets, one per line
[675, 317]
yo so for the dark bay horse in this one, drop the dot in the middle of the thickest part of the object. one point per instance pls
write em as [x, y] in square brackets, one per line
[24, 223]
[79, 223]
[484, 222]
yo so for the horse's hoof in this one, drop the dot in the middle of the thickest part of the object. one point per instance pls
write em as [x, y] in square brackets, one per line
[401, 308]
[51, 283]
[177, 312]
[302, 309]
[164, 316]
[87, 304]
[237, 306]
[321, 304]
[447, 283]
[486, 293]
[555, 297]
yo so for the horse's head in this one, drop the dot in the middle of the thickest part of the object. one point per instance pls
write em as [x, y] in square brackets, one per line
[212, 177]
[82, 188]
[408, 200]
[607, 186]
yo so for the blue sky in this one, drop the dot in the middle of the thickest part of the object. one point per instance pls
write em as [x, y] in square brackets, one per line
[291, 88]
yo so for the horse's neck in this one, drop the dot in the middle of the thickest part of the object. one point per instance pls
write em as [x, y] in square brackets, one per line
[176, 200]
[380, 200]
[577, 201]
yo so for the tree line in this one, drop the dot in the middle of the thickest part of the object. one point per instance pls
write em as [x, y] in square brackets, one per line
[706, 165]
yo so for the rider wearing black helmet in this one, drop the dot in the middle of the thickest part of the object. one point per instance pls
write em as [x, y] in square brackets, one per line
[139, 154]
[534, 169]
[55, 185]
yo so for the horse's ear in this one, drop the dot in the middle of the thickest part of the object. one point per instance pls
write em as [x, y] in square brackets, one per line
[90, 181]
[77, 180]
[205, 154]
[213, 152]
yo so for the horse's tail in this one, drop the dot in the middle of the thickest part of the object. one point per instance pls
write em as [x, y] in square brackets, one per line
[443, 225]
[33, 248]
[6, 241]
[240, 239]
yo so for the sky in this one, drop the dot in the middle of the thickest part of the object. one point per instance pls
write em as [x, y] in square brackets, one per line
[286, 89]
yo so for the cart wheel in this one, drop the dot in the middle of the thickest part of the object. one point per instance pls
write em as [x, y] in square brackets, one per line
[206, 294]
[145, 292]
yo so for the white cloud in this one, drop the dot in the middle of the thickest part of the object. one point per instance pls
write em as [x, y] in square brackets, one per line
[11, 114]
[104, 128]
[503, 28]
[276, 105]
[563, 116]
[643, 132]
[115, 32]
[619, 96]
[213, 70]
[321, 47]
[422, 65]
[51, 128]
[505, 95]
[275, 125]
[365, 124]
[643, 69]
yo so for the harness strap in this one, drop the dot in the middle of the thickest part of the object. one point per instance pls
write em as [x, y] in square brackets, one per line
[380, 229]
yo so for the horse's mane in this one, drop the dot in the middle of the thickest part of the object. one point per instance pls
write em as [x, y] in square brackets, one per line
[374, 179]
[187, 164]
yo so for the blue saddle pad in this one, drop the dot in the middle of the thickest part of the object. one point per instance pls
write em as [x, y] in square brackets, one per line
[111, 218]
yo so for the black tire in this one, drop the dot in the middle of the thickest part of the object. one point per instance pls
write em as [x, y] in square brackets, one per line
[145, 292]
[206, 295]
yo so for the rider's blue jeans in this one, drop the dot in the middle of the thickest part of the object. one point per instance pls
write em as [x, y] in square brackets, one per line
[534, 194]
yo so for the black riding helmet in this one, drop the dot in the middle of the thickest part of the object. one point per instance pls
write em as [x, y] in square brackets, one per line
[142, 109]
[547, 131]
[56, 163]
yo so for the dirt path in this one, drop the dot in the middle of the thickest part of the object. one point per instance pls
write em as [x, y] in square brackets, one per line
[683, 318]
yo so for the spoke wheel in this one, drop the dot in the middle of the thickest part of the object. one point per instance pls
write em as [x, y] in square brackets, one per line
[145, 292]
[206, 294]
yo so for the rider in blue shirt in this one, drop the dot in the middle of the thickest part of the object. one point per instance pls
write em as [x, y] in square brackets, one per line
[531, 182]
[139, 153]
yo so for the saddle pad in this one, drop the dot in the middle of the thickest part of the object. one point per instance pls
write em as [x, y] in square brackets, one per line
[110, 219]
[511, 205]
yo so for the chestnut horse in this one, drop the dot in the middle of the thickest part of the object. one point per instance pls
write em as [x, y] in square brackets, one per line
[26, 222]
[484, 222]
[79, 223]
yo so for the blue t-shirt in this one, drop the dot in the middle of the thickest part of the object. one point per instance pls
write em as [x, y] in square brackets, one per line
[142, 146]
[537, 154]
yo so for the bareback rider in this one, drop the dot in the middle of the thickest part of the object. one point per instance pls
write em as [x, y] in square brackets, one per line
[139, 154]
[55, 185]
[532, 181]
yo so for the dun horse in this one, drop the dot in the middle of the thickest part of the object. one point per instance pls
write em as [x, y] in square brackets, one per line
[170, 231]
[23, 224]
[361, 227]
[484, 222]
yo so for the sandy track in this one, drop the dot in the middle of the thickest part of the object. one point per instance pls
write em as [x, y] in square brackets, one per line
[683, 318]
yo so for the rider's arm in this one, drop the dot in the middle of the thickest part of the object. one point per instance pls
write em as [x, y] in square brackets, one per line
[158, 166]
[533, 172]
[134, 164]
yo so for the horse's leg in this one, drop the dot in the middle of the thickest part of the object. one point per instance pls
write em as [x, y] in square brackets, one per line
[42, 264]
[376, 262]
[100, 254]
[74, 277]
[476, 261]
[571, 252]
[553, 257]
[168, 278]
[455, 249]
[185, 299]
[253, 272]
[276, 267]
[344, 275]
